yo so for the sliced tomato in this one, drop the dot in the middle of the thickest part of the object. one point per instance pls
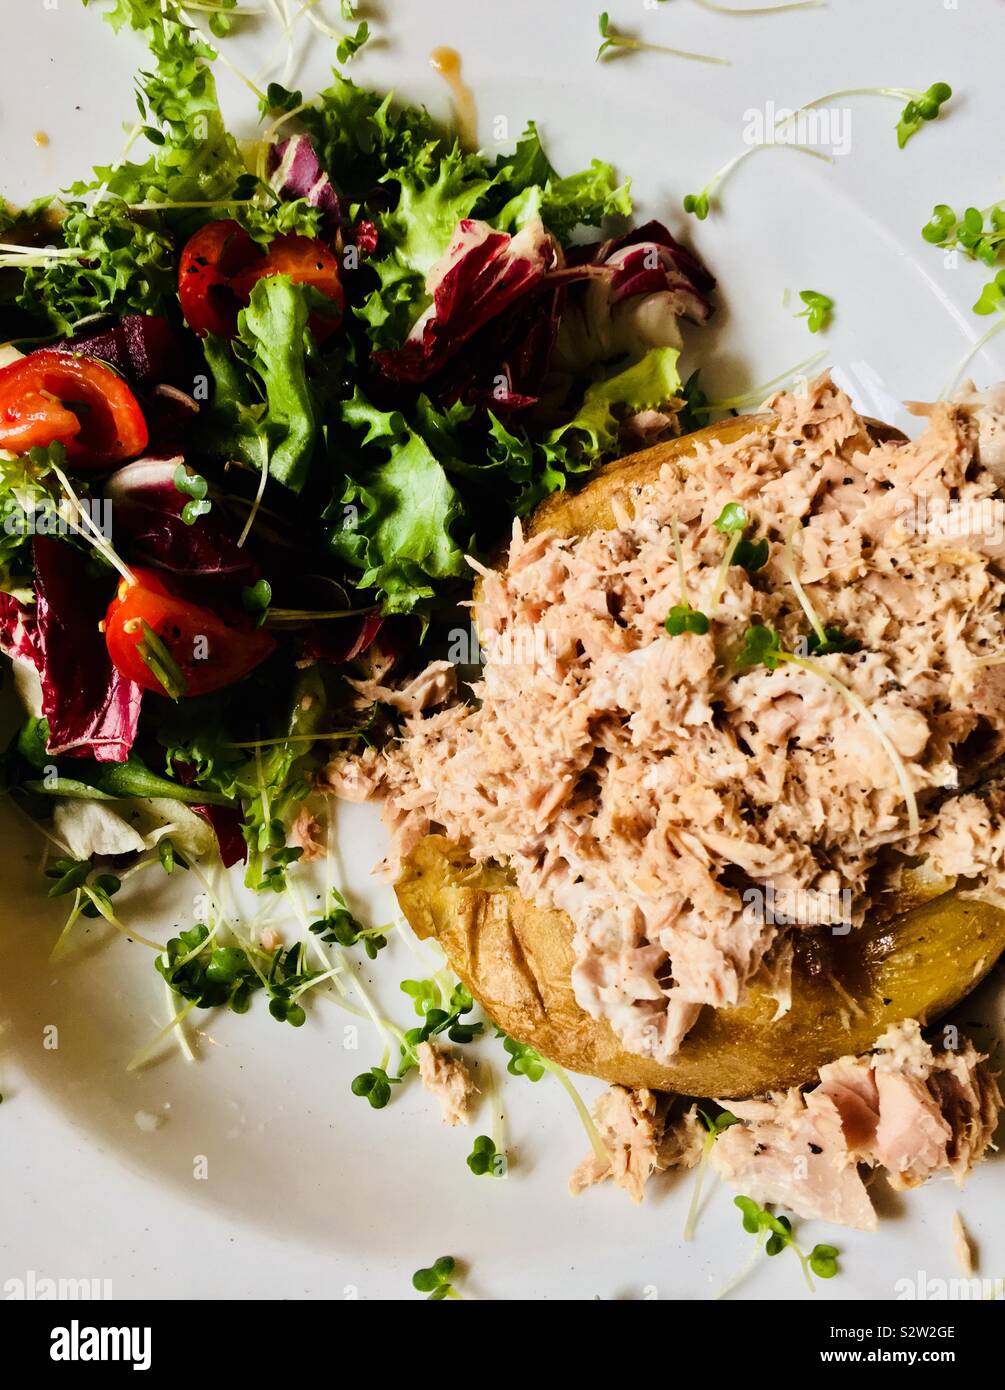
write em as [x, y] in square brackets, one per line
[221, 265]
[307, 262]
[207, 653]
[52, 397]
[212, 257]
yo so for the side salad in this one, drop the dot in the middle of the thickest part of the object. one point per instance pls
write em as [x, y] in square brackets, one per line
[257, 404]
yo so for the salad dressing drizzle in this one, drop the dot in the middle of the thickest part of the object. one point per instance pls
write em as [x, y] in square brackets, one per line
[447, 62]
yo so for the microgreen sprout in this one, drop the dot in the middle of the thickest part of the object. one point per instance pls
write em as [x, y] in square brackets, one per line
[700, 204]
[485, 1160]
[198, 969]
[757, 1220]
[821, 640]
[682, 617]
[449, 1020]
[834, 640]
[992, 296]
[339, 927]
[256, 598]
[350, 44]
[733, 522]
[96, 890]
[375, 1085]
[211, 976]
[713, 1126]
[435, 1281]
[614, 41]
[756, 394]
[762, 646]
[921, 107]
[818, 311]
[195, 487]
[978, 233]
[280, 858]
[524, 1060]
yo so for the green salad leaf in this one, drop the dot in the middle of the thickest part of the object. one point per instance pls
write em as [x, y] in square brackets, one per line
[397, 516]
[264, 409]
[647, 384]
[533, 189]
[418, 231]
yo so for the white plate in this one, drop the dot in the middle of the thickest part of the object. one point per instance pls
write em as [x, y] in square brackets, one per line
[309, 1192]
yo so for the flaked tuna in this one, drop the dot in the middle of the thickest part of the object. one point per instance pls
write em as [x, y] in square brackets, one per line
[661, 794]
[903, 1108]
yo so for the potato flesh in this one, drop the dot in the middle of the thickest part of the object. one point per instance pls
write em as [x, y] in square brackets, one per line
[516, 959]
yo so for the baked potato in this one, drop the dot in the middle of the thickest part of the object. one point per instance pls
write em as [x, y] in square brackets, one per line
[915, 960]
[516, 959]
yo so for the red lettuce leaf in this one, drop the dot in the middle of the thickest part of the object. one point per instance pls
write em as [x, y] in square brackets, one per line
[504, 364]
[295, 172]
[649, 260]
[148, 509]
[340, 642]
[226, 824]
[482, 274]
[18, 629]
[92, 710]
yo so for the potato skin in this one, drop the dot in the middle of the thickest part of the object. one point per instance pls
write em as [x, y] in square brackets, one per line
[516, 959]
[592, 509]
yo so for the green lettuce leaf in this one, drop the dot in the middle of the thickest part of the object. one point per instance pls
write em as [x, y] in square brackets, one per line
[122, 267]
[398, 515]
[646, 385]
[360, 136]
[417, 233]
[534, 189]
[264, 407]
[536, 468]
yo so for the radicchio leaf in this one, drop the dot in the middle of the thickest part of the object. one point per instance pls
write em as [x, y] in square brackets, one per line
[147, 510]
[337, 643]
[18, 629]
[226, 823]
[295, 172]
[635, 289]
[503, 366]
[92, 710]
[482, 274]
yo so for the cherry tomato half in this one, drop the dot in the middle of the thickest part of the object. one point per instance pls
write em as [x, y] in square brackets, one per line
[211, 258]
[207, 652]
[220, 266]
[54, 397]
[307, 262]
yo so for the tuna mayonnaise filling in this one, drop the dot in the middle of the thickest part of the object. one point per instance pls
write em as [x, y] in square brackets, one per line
[689, 813]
